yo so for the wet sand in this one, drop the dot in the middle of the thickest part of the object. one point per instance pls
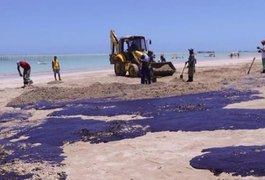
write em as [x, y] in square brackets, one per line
[94, 125]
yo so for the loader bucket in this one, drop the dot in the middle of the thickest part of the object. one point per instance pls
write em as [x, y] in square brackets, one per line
[163, 68]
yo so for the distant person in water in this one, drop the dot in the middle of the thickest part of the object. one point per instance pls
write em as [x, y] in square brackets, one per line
[191, 65]
[56, 68]
[26, 72]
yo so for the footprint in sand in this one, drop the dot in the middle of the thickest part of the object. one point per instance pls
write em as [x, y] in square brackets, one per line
[55, 82]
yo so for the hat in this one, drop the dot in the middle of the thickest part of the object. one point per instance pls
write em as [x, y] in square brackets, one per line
[142, 57]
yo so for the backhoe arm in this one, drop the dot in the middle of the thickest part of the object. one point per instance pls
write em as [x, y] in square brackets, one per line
[114, 43]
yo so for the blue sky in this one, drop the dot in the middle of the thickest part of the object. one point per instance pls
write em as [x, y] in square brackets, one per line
[82, 26]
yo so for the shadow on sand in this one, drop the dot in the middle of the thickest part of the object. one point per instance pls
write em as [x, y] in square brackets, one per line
[198, 112]
[240, 160]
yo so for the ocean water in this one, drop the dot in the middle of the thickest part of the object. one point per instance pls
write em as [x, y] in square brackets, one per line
[41, 64]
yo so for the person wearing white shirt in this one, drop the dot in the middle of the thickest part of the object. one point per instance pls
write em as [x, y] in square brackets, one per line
[145, 69]
[262, 51]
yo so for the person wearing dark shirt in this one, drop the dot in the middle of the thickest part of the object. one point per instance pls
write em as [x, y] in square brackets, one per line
[191, 65]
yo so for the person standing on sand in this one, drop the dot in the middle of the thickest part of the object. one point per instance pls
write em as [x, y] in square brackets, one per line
[191, 65]
[151, 56]
[26, 72]
[262, 51]
[56, 68]
[145, 69]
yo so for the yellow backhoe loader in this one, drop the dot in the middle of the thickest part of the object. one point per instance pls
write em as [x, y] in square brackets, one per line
[126, 53]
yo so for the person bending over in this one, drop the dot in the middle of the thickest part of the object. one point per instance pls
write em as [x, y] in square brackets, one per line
[26, 72]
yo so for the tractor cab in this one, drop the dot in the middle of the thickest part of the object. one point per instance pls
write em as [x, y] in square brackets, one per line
[131, 44]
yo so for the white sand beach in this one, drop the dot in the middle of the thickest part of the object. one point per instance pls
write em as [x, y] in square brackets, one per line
[153, 155]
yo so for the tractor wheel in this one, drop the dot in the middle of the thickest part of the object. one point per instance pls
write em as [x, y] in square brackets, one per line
[119, 68]
[133, 70]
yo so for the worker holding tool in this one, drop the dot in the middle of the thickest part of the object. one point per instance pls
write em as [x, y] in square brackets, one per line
[191, 65]
[262, 51]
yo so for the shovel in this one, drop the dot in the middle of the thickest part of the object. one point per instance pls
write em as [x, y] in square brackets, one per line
[251, 65]
[181, 75]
